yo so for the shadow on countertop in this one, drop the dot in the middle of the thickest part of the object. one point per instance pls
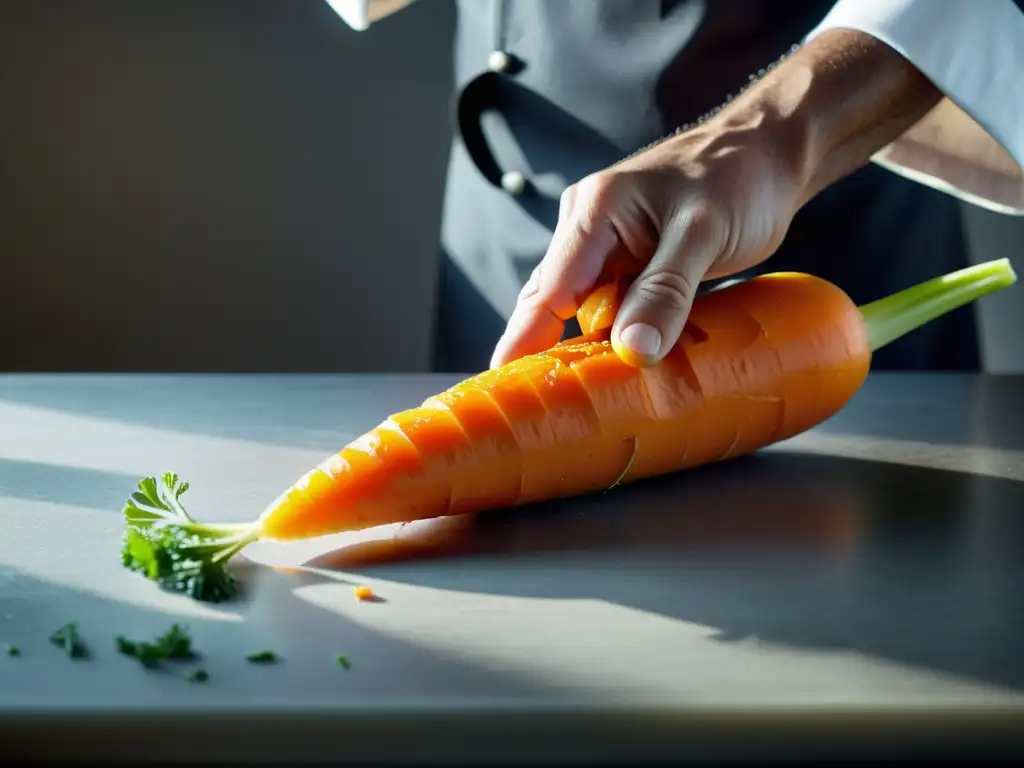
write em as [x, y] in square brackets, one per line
[911, 565]
[914, 566]
[108, 707]
[61, 484]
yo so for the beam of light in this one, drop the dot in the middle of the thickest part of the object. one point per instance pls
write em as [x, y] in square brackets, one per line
[77, 548]
[55, 437]
[611, 652]
[242, 475]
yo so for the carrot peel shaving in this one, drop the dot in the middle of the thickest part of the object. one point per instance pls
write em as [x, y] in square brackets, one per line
[629, 465]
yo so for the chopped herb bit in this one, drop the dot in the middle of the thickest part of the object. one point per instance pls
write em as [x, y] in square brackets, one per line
[198, 676]
[173, 644]
[67, 638]
[12, 650]
[163, 542]
[148, 654]
[176, 643]
[342, 661]
[263, 657]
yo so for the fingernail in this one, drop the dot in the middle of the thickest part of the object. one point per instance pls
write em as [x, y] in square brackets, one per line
[642, 339]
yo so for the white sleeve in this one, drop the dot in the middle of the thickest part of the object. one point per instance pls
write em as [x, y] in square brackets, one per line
[360, 14]
[972, 144]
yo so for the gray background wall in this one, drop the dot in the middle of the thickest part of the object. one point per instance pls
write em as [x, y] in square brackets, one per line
[242, 184]
[996, 236]
[219, 184]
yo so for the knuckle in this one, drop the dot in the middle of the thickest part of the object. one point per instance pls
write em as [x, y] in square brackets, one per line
[532, 285]
[566, 198]
[707, 219]
[667, 289]
[703, 214]
[597, 189]
[700, 212]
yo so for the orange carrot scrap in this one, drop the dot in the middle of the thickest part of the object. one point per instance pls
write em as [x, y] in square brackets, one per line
[363, 592]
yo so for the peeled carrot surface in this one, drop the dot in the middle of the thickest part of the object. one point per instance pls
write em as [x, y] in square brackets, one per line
[759, 362]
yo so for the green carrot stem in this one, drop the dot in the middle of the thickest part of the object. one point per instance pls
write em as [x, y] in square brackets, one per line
[897, 315]
[224, 531]
[226, 554]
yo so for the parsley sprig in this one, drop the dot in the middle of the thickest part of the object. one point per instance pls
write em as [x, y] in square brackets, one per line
[164, 543]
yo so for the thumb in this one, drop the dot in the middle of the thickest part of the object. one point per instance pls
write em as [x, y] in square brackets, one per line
[657, 304]
[583, 240]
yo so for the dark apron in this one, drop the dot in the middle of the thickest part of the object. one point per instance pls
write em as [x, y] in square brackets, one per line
[586, 82]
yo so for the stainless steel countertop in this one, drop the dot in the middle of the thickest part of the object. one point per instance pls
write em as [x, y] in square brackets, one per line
[872, 568]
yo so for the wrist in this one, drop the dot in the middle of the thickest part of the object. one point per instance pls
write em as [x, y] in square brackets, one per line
[824, 111]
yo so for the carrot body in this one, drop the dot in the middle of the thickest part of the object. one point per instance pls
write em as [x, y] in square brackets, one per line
[759, 362]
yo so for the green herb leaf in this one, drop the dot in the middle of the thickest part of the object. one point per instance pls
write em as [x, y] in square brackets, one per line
[263, 657]
[67, 638]
[174, 644]
[12, 650]
[198, 676]
[164, 543]
[343, 661]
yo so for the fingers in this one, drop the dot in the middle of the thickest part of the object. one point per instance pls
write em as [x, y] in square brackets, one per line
[583, 239]
[599, 219]
[565, 207]
[657, 304]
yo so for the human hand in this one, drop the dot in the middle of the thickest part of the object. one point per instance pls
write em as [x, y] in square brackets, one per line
[707, 203]
[717, 199]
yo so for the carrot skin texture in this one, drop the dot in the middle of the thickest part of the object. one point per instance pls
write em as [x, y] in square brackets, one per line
[759, 362]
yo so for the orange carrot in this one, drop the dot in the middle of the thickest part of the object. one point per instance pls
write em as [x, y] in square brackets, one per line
[362, 592]
[759, 362]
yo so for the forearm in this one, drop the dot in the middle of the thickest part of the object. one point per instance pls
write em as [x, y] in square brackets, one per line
[829, 107]
[380, 9]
